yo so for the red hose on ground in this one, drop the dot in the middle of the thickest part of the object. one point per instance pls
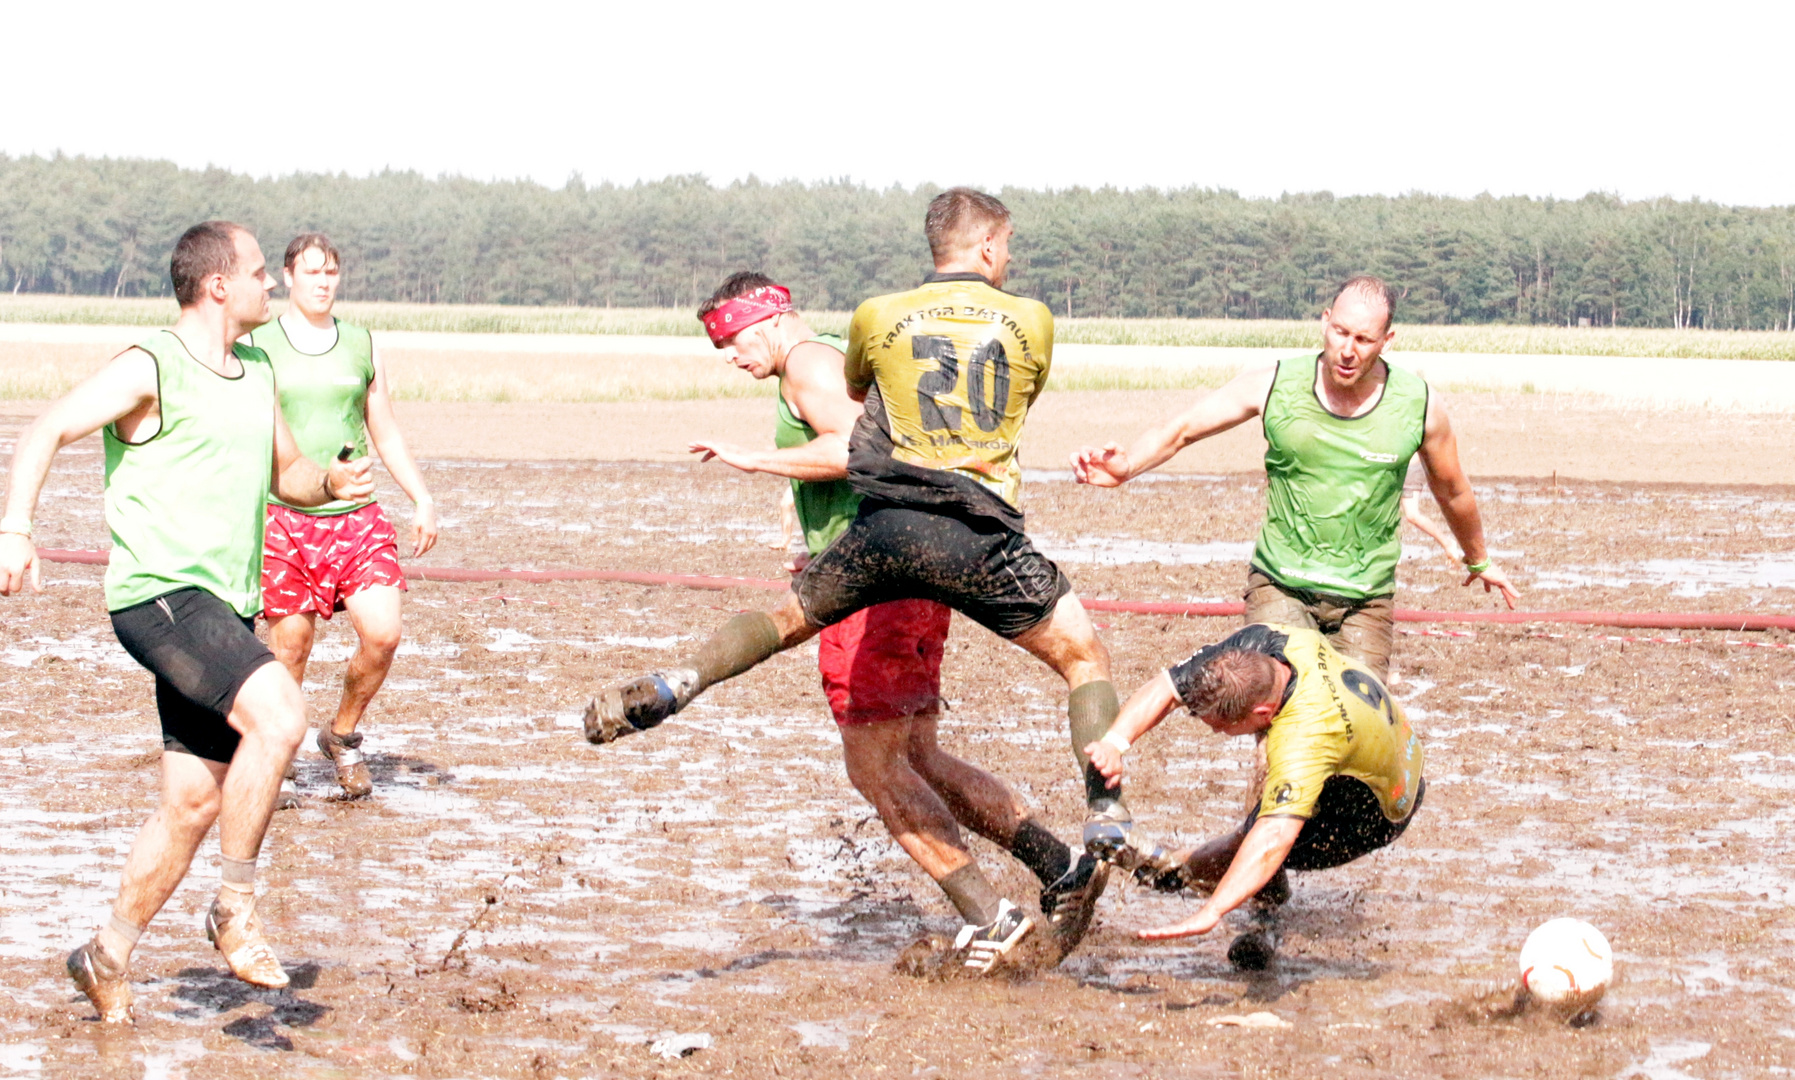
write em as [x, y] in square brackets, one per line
[1638, 620]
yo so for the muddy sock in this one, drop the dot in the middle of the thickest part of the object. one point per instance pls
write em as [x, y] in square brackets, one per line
[972, 895]
[236, 883]
[743, 641]
[1041, 851]
[116, 940]
[1091, 711]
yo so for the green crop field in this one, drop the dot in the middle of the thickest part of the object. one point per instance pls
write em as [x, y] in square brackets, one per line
[1266, 333]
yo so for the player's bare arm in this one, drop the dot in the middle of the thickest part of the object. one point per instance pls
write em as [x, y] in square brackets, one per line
[1239, 400]
[1263, 851]
[1141, 714]
[300, 483]
[1452, 490]
[389, 443]
[124, 391]
[819, 396]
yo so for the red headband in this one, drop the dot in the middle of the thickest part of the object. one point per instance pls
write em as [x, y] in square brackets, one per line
[733, 316]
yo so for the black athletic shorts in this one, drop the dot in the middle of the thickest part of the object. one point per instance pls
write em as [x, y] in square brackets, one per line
[1348, 823]
[978, 566]
[200, 652]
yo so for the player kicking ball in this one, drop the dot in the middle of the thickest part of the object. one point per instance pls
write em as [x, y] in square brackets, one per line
[1343, 775]
[881, 666]
[344, 555]
[947, 373]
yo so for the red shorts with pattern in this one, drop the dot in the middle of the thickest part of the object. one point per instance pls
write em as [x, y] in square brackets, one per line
[884, 662]
[313, 562]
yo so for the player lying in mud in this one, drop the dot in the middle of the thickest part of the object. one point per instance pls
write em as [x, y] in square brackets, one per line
[1339, 775]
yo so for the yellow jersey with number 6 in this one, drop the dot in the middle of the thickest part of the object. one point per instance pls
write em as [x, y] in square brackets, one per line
[950, 371]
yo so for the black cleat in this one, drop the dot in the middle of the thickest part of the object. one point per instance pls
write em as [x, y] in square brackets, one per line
[637, 705]
[1070, 903]
[1255, 949]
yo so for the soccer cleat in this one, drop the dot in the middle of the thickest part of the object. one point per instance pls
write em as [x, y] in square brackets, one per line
[246, 952]
[288, 799]
[1117, 843]
[639, 704]
[1071, 902]
[109, 989]
[985, 945]
[345, 752]
[1254, 949]
[1257, 946]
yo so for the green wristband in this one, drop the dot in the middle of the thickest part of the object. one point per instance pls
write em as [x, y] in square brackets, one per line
[1478, 567]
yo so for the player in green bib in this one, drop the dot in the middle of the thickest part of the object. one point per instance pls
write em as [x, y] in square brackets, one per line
[191, 427]
[342, 556]
[1340, 429]
[881, 666]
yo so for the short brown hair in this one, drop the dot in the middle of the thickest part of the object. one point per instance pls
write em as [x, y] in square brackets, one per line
[305, 242]
[206, 249]
[1374, 287]
[1230, 683]
[957, 211]
[740, 283]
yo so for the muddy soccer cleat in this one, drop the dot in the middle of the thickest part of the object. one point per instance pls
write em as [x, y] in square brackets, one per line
[246, 952]
[1115, 840]
[1254, 949]
[1257, 946]
[288, 799]
[352, 768]
[108, 988]
[639, 704]
[1070, 903]
[985, 945]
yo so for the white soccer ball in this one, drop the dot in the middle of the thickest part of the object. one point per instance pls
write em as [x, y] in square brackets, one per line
[1567, 962]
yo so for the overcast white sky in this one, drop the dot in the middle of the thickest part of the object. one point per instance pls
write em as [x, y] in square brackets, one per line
[1643, 99]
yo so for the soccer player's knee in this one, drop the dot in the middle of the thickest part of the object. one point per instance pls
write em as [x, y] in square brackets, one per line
[193, 807]
[381, 641]
[270, 706]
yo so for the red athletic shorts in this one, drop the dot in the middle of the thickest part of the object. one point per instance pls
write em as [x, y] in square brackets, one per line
[313, 562]
[884, 662]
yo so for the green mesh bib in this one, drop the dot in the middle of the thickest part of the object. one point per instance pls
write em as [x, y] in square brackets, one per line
[1333, 497]
[324, 397]
[186, 505]
[825, 508]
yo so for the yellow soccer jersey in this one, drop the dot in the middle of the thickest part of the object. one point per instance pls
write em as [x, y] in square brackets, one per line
[1337, 720]
[951, 370]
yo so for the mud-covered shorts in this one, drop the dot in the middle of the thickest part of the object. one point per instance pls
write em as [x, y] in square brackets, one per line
[201, 653]
[1364, 630]
[884, 662]
[313, 562]
[1347, 823]
[978, 566]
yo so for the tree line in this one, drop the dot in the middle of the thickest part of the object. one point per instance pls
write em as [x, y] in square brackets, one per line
[104, 226]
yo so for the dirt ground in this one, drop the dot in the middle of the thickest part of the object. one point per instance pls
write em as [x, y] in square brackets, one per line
[513, 902]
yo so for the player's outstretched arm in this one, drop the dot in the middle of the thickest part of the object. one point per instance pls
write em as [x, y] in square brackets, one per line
[300, 483]
[1452, 490]
[1241, 399]
[1264, 850]
[1141, 714]
[389, 443]
[126, 385]
[813, 374]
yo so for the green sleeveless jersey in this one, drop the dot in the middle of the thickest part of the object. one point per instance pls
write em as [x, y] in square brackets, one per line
[825, 507]
[1333, 497]
[186, 505]
[324, 397]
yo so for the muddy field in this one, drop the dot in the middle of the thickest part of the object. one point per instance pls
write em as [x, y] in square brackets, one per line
[514, 902]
